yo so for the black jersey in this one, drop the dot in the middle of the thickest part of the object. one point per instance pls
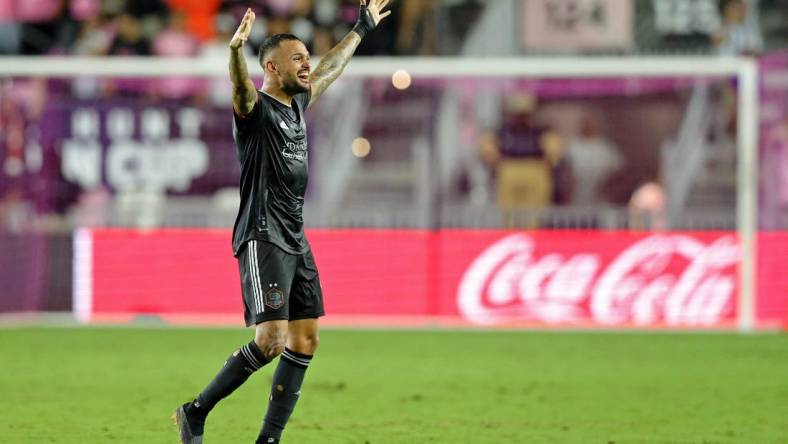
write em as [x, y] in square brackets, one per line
[271, 146]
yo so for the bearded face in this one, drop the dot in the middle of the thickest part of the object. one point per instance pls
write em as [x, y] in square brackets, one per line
[292, 66]
[292, 84]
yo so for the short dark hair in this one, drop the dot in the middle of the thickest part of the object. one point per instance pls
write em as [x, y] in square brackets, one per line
[271, 43]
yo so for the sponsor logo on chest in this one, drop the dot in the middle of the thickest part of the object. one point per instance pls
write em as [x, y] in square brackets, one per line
[295, 151]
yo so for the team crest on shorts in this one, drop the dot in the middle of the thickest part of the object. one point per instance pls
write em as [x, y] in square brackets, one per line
[274, 298]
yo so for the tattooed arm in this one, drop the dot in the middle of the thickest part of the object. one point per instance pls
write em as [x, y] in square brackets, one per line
[244, 92]
[334, 62]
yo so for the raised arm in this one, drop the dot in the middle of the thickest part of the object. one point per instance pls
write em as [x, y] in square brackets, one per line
[244, 92]
[333, 63]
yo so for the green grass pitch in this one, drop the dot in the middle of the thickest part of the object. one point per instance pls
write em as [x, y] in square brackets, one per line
[119, 385]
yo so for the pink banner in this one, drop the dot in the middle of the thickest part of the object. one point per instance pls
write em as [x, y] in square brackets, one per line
[573, 25]
[449, 277]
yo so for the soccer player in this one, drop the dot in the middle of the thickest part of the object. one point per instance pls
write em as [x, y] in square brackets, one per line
[281, 289]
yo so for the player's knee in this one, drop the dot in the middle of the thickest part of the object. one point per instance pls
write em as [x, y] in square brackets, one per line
[271, 348]
[307, 344]
[271, 342]
[275, 350]
[312, 341]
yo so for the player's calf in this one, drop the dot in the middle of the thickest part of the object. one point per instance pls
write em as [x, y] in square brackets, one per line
[285, 391]
[236, 370]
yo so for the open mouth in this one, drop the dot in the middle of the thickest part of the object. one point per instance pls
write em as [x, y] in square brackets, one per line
[304, 75]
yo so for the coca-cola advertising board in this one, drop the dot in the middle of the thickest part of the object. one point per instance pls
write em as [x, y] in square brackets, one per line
[486, 278]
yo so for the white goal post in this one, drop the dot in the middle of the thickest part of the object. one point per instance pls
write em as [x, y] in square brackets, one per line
[745, 70]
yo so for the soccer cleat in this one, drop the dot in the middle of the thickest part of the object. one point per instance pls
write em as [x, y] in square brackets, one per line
[190, 430]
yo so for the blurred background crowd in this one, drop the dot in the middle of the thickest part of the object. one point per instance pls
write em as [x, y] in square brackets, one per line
[192, 27]
[621, 152]
[418, 27]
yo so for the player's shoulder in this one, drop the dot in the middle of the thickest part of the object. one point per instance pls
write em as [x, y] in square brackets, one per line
[255, 107]
[246, 122]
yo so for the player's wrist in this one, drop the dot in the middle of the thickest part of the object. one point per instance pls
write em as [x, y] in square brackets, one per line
[361, 30]
[364, 24]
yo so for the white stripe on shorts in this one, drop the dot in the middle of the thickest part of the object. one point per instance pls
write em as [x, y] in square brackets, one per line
[249, 254]
[259, 281]
[254, 275]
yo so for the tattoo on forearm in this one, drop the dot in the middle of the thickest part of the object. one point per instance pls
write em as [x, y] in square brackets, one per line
[238, 71]
[333, 63]
[243, 88]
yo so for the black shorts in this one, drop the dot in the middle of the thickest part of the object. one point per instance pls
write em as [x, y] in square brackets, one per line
[277, 285]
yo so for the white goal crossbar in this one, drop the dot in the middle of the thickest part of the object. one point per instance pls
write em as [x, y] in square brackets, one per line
[745, 70]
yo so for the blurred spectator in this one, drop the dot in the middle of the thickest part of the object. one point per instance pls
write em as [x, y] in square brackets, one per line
[523, 154]
[592, 159]
[130, 39]
[95, 37]
[421, 27]
[174, 41]
[80, 26]
[279, 25]
[9, 29]
[39, 11]
[225, 27]
[46, 24]
[416, 33]
[146, 9]
[82, 10]
[15, 212]
[323, 41]
[200, 16]
[647, 207]
[152, 14]
[740, 32]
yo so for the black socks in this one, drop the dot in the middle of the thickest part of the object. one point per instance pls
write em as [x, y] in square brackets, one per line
[285, 390]
[237, 369]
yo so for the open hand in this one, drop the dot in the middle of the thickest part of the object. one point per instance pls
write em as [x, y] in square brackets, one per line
[242, 33]
[375, 9]
[369, 16]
